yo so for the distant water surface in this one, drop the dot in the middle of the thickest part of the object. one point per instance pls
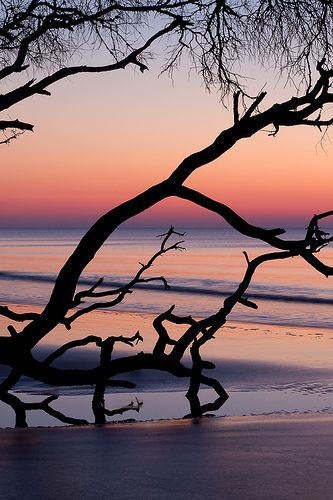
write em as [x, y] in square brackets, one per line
[287, 292]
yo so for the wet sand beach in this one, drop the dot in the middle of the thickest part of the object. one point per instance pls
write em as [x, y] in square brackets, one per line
[232, 458]
[246, 455]
[264, 368]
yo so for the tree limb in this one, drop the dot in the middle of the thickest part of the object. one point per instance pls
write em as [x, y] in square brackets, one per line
[15, 125]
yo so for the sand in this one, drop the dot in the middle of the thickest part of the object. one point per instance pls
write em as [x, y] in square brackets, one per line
[267, 457]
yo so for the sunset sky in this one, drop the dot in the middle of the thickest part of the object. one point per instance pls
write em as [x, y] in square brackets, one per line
[99, 140]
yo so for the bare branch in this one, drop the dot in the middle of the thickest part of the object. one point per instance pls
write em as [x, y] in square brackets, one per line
[119, 411]
[163, 337]
[88, 340]
[236, 106]
[71, 345]
[247, 303]
[254, 105]
[60, 416]
[15, 124]
[123, 291]
[9, 138]
[12, 331]
[88, 293]
[31, 88]
[16, 350]
[8, 313]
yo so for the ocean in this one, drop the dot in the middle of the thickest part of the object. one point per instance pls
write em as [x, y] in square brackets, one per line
[200, 277]
[276, 358]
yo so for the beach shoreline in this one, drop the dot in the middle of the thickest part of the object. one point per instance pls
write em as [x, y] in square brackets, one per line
[264, 368]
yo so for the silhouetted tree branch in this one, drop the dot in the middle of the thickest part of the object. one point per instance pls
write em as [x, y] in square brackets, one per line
[119, 411]
[123, 291]
[70, 345]
[8, 313]
[197, 332]
[39, 44]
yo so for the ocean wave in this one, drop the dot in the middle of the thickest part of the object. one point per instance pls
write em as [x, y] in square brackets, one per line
[193, 287]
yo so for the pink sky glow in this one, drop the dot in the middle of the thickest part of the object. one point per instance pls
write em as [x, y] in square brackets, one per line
[99, 141]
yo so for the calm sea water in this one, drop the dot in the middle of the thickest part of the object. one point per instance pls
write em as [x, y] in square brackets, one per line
[287, 292]
[277, 358]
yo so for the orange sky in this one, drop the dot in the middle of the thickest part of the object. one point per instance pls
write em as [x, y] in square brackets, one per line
[101, 139]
